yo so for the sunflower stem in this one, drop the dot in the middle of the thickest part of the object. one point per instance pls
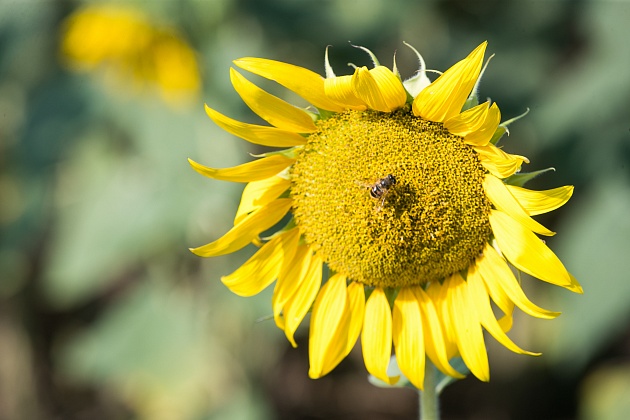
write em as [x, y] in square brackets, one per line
[429, 398]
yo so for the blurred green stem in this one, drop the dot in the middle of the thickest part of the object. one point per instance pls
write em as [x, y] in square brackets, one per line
[429, 401]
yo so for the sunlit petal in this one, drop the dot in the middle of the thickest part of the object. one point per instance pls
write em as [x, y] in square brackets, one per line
[445, 97]
[484, 134]
[329, 327]
[264, 266]
[497, 162]
[256, 134]
[252, 171]
[479, 295]
[391, 88]
[259, 193]
[376, 338]
[249, 228]
[364, 87]
[539, 202]
[466, 325]
[434, 339]
[300, 303]
[408, 337]
[270, 108]
[500, 280]
[503, 200]
[527, 252]
[341, 90]
[468, 121]
[309, 85]
[356, 296]
[291, 276]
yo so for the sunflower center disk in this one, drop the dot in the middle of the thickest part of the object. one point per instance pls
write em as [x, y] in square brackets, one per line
[429, 223]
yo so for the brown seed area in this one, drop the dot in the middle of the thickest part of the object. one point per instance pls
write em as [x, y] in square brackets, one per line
[431, 223]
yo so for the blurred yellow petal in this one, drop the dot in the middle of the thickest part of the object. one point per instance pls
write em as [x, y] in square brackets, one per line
[407, 334]
[256, 134]
[245, 232]
[365, 88]
[466, 325]
[539, 202]
[300, 303]
[445, 97]
[341, 90]
[309, 85]
[500, 281]
[264, 266]
[259, 193]
[290, 278]
[271, 108]
[433, 337]
[330, 321]
[479, 296]
[252, 171]
[503, 200]
[527, 252]
[376, 338]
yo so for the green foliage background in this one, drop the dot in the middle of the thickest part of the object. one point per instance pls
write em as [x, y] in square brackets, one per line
[104, 313]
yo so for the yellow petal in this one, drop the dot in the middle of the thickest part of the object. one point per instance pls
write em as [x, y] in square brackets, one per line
[259, 193]
[365, 88]
[247, 172]
[467, 328]
[264, 266]
[479, 296]
[299, 304]
[408, 337]
[445, 97]
[497, 162]
[439, 296]
[270, 108]
[527, 252]
[500, 196]
[390, 86]
[245, 232]
[500, 281]
[290, 278]
[433, 337]
[356, 296]
[468, 121]
[341, 90]
[539, 202]
[256, 134]
[484, 134]
[329, 327]
[307, 84]
[376, 338]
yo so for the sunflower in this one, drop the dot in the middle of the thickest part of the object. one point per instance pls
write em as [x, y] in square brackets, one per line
[404, 217]
[129, 47]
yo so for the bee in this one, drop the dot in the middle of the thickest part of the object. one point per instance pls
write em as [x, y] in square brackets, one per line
[381, 188]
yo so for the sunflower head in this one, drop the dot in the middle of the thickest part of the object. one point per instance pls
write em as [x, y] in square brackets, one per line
[399, 188]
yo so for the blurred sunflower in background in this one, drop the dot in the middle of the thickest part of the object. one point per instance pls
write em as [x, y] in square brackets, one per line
[127, 46]
[404, 216]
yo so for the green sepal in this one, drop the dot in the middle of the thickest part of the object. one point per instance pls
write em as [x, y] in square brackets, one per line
[324, 114]
[392, 370]
[502, 129]
[522, 178]
[444, 380]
